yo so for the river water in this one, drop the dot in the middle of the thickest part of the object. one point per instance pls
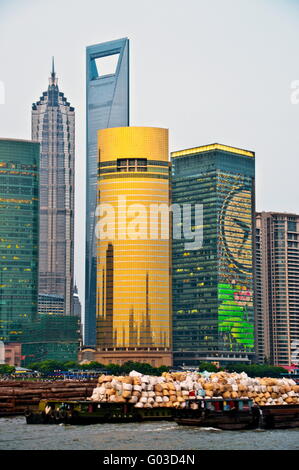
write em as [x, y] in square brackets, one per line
[15, 434]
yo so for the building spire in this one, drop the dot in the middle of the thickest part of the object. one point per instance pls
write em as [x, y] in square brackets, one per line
[53, 79]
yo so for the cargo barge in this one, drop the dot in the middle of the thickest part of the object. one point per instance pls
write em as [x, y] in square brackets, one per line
[237, 414]
[90, 412]
[233, 414]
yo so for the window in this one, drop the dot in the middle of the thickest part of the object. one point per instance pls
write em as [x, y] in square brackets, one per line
[131, 164]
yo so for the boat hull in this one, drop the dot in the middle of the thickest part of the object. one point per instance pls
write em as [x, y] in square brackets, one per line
[93, 413]
[219, 420]
[280, 416]
[87, 412]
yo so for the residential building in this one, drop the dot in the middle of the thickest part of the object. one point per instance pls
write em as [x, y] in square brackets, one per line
[277, 288]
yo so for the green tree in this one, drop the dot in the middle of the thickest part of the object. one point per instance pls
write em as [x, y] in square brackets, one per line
[114, 369]
[94, 365]
[257, 370]
[47, 366]
[208, 367]
[71, 365]
[141, 367]
[162, 369]
[6, 369]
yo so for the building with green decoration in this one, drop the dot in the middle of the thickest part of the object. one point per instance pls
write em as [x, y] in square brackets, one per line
[213, 285]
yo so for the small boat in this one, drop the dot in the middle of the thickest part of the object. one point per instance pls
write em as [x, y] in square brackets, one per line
[232, 414]
[90, 412]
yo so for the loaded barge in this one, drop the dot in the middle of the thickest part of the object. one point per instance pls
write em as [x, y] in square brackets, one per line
[236, 414]
[230, 414]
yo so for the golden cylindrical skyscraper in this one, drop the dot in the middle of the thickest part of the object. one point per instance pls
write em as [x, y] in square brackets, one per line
[133, 246]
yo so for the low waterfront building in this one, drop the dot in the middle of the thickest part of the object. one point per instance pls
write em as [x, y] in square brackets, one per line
[13, 354]
[52, 337]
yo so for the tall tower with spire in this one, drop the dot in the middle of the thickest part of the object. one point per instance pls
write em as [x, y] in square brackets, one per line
[53, 125]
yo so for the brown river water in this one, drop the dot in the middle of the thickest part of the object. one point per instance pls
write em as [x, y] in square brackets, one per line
[15, 434]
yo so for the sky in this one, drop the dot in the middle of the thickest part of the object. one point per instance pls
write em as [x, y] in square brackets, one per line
[210, 71]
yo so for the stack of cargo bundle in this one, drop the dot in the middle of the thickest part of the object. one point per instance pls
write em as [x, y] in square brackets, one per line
[15, 395]
[173, 389]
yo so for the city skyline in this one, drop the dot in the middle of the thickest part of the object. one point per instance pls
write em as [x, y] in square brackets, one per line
[228, 92]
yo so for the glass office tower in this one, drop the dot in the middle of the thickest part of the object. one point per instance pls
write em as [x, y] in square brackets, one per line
[107, 105]
[19, 188]
[51, 337]
[213, 286]
[134, 259]
[53, 125]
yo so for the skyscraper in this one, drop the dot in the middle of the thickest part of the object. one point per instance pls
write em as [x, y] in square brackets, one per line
[134, 260]
[19, 188]
[213, 313]
[53, 125]
[277, 287]
[107, 105]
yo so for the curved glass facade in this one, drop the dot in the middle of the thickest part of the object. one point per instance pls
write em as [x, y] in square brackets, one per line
[19, 201]
[133, 268]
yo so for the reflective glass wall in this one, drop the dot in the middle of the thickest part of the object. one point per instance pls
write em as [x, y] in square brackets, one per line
[19, 189]
[107, 105]
[213, 286]
[134, 258]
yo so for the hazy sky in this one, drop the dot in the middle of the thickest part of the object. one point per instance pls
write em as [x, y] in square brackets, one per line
[209, 70]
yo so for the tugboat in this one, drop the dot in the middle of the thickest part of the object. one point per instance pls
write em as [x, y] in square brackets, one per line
[232, 414]
[89, 412]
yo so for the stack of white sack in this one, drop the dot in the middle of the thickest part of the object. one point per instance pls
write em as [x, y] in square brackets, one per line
[173, 389]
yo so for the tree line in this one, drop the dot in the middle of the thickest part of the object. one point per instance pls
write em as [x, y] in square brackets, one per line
[45, 367]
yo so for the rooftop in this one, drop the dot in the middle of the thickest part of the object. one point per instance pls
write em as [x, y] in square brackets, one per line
[207, 148]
